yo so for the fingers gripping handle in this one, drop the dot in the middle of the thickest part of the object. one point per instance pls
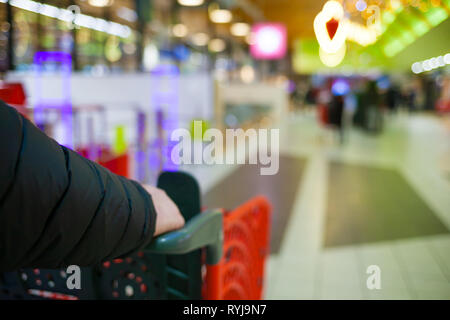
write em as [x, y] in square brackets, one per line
[204, 230]
[201, 230]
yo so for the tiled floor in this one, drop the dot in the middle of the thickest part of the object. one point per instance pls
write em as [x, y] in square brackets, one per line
[280, 189]
[413, 267]
[370, 204]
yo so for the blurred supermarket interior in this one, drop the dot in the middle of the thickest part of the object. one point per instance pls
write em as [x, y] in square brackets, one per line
[359, 89]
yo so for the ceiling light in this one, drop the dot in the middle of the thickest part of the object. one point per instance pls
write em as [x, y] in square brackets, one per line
[447, 58]
[73, 17]
[426, 65]
[434, 63]
[361, 5]
[191, 3]
[179, 30]
[332, 59]
[430, 64]
[240, 29]
[200, 39]
[416, 67]
[216, 45]
[100, 3]
[127, 14]
[218, 15]
[332, 11]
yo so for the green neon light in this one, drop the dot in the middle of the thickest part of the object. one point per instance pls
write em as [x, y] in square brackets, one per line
[420, 28]
[388, 17]
[436, 15]
[407, 38]
[392, 48]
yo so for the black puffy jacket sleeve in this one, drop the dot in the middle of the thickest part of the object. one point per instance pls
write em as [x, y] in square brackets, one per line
[58, 208]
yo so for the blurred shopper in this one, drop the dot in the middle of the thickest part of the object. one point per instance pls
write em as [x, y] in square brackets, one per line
[335, 115]
[392, 97]
[417, 96]
[443, 102]
[58, 208]
[369, 114]
[430, 94]
[350, 105]
[322, 101]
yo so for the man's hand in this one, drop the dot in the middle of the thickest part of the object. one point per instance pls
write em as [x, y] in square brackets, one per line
[168, 217]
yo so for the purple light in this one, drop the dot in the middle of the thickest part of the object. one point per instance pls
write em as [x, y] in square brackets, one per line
[291, 86]
[361, 5]
[268, 41]
[165, 96]
[340, 87]
[141, 144]
[63, 105]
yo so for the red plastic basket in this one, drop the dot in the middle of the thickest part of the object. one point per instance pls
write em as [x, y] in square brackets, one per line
[240, 273]
[14, 95]
[118, 164]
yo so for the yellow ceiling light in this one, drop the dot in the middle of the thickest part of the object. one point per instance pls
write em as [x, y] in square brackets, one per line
[200, 39]
[332, 59]
[218, 15]
[361, 34]
[216, 45]
[329, 27]
[240, 29]
[100, 3]
[191, 3]
[179, 30]
[332, 29]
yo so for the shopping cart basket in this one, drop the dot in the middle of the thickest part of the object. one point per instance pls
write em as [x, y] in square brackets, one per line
[171, 267]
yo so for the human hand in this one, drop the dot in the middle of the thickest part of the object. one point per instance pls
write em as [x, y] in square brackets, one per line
[168, 216]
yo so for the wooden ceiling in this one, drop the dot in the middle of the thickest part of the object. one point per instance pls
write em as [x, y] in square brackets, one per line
[298, 15]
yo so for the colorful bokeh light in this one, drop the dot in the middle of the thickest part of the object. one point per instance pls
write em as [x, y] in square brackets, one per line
[269, 41]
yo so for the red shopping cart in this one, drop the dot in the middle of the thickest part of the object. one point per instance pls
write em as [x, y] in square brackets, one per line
[233, 246]
[240, 273]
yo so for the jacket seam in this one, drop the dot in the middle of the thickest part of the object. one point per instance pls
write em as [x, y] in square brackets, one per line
[54, 210]
[89, 226]
[119, 242]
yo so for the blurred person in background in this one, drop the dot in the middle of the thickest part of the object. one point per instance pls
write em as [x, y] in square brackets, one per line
[392, 98]
[443, 102]
[369, 114]
[335, 115]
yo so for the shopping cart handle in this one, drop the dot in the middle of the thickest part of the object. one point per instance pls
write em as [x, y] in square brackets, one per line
[203, 230]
